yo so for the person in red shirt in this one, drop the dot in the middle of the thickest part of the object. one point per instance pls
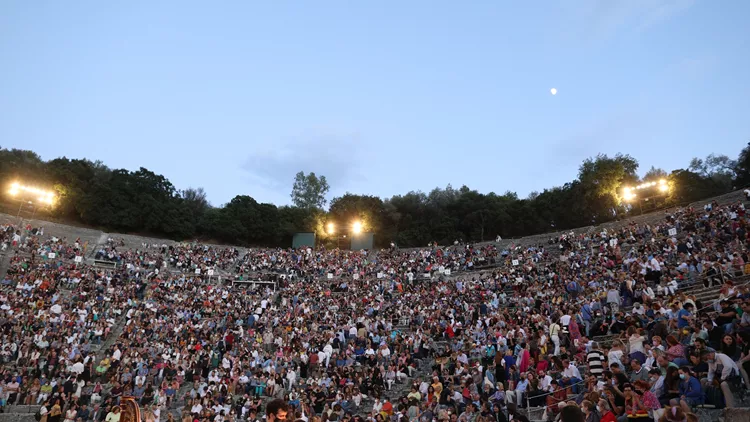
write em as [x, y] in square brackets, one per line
[605, 412]
[449, 331]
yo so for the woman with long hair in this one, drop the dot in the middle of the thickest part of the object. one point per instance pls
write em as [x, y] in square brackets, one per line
[729, 347]
[70, 414]
[55, 413]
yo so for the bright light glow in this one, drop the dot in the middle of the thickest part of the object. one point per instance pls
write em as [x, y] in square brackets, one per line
[661, 183]
[628, 195]
[663, 188]
[330, 228]
[44, 196]
[356, 227]
[553, 91]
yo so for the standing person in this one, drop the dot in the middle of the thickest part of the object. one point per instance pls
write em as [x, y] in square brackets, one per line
[587, 316]
[596, 360]
[554, 335]
[55, 413]
[613, 299]
[44, 412]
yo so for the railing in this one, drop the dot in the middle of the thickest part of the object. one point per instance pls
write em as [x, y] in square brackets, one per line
[105, 263]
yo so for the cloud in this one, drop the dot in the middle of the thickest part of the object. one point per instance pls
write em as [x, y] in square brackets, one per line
[337, 156]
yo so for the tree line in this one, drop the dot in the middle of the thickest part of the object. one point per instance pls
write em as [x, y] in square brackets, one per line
[90, 193]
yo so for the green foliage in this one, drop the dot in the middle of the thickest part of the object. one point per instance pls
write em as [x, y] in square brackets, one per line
[655, 174]
[142, 201]
[687, 186]
[601, 178]
[719, 168]
[309, 191]
[742, 168]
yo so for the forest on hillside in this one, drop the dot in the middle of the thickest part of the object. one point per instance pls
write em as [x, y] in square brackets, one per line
[90, 193]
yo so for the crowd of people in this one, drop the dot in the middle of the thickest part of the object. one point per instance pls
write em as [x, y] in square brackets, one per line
[597, 325]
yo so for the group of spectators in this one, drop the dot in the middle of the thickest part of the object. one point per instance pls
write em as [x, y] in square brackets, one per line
[600, 324]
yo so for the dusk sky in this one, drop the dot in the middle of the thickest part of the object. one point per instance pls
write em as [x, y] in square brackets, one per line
[381, 97]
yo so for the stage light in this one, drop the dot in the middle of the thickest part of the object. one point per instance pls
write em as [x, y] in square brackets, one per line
[331, 228]
[663, 188]
[43, 196]
[356, 227]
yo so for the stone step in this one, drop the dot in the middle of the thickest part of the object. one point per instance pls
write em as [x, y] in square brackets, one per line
[20, 409]
[16, 417]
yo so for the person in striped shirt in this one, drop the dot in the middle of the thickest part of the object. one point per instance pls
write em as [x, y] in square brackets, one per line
[596, 360]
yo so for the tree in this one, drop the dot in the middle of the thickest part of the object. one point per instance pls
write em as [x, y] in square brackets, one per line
[601, 179]
[655, 174]
[309, 191]
[742, 168]
[195, 201]
[719, 168]
[688, 186]
[90, 193]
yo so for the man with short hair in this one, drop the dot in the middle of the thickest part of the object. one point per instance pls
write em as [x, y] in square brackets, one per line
[276, 410]
[571, 377]
[639, 372]
[726, 368]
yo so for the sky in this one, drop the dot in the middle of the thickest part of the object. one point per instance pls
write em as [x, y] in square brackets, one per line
[381, 97]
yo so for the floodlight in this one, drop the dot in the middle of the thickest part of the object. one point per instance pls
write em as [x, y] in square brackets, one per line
[663, 188]
[44, 196]
[331, 228]
[356, 227]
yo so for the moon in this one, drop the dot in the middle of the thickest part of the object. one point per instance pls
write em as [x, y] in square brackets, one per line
[553, 91]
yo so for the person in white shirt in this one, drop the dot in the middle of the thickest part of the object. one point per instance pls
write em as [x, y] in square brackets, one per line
[729, 371]
[197, 408]
[545, 381]
[77, 368]
[322, 357]
[571, 376]
[291, 378]
[117, 354]
[328, 350]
